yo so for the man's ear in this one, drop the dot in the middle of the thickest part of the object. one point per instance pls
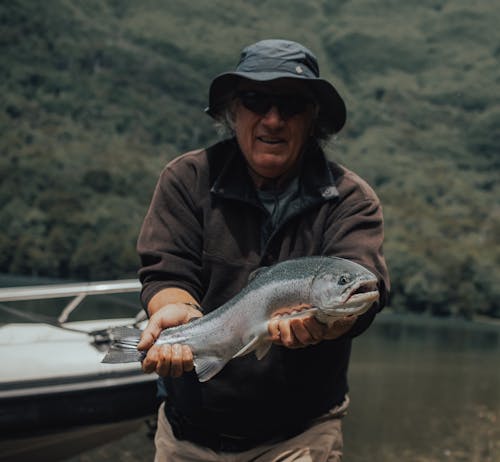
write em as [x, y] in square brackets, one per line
[314, 120]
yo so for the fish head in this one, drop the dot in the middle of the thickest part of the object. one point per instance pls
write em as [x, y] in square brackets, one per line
[342, 288]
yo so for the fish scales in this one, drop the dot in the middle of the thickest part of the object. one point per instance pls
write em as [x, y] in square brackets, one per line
[331, 287]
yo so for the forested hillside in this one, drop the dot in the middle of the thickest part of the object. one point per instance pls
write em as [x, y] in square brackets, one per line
[97, 96]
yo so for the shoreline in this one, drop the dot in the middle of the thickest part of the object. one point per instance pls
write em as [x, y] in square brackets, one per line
[477, 320]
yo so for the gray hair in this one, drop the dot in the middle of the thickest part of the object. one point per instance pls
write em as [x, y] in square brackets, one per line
[224, 122]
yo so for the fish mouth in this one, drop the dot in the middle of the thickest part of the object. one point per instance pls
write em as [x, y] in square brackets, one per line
[360, 297]
[362, 291]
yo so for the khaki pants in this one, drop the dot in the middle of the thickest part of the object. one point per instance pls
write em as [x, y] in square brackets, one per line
[320, 442]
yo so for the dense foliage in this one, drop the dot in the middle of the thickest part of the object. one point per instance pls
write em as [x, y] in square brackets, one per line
[98, 95]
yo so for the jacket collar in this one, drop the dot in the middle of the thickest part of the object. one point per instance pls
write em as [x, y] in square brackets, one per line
[317, 183]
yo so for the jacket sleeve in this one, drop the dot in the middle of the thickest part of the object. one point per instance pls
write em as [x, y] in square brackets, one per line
[170, 240]
[355, 231]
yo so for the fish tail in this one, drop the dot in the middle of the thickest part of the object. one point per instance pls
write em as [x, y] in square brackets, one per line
[125, 334]
[123, 349]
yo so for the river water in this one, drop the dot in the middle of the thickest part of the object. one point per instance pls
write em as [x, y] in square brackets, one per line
[425, 389]
[422, 390]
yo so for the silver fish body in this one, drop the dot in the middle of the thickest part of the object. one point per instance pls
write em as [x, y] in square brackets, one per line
[330, 287]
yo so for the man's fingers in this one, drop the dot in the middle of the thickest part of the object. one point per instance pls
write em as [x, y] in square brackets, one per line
[296, 332]
[176, 363]
[163, 363]
[150, 333]
[340, 327]
[301, 334]
[293, 333]
[287, 336]
[147, 340]
[170, 315]
[150, 361]
[316, 329]
[168, 360]
[273, 330]
[187, 358]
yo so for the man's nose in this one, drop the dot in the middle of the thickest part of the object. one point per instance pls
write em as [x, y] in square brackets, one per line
[273, 117]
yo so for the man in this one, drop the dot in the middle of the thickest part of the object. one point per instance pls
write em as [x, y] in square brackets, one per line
[264, 195]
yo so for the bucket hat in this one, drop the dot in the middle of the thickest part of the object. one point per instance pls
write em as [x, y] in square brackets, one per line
[276, 59]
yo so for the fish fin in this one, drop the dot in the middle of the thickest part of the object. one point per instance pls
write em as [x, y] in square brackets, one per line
[327, 320]
[119, 355]
[300, 314]
[123, 349]
[330, 322]
[262, 349]
[248, 347]
[256, 272]
[207, 367]
[125, 333]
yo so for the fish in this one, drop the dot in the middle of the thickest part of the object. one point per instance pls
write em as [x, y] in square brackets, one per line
[327, 287]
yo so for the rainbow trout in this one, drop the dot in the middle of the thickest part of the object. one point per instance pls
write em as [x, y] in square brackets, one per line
[330, 287]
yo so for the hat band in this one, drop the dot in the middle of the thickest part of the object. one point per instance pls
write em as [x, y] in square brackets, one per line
[260, 65]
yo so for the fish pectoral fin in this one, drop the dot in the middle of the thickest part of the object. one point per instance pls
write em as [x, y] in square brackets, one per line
[256, 272]
[249, 347]
[262, 349]
[323, 318]
[207, 367]
[258, 344]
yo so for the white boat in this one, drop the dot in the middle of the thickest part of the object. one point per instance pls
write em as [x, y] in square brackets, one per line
[56, 397]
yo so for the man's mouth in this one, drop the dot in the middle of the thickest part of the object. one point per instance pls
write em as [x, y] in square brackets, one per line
[267, 140]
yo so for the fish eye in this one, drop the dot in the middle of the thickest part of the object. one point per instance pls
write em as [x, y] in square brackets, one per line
[344, 279]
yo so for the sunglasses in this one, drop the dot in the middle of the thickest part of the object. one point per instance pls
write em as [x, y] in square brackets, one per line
[288, 105]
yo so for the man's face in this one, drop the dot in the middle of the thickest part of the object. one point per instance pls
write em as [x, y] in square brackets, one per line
[272, 140]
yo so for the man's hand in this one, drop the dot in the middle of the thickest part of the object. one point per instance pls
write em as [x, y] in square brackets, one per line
[167, 360]
[302, 331]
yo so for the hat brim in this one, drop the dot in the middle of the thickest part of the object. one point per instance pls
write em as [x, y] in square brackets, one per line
[332, 110]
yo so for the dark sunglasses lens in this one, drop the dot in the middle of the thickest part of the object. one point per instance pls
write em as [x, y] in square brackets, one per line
[256, 102]
[261, 103]
[292, 106]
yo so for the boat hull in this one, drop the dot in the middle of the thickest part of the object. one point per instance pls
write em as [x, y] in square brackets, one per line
[119, 397]
[57, 399]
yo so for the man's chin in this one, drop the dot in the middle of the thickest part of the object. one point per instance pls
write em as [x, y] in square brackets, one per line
[270, 169]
